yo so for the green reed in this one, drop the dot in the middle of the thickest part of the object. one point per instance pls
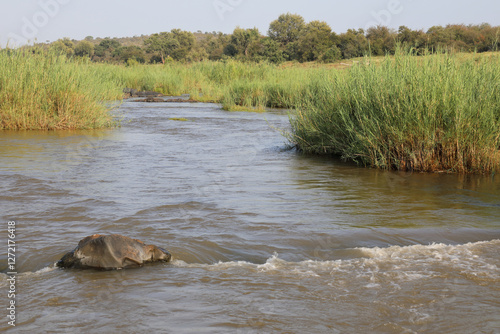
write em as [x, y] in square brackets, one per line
[205, 81]
[40, 90]
[421, 113]
[236, 85]
[430, 113]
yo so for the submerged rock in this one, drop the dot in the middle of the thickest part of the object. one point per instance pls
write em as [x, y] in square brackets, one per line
[112, 252]
[153, 99]
[162, 98]
[130, 92]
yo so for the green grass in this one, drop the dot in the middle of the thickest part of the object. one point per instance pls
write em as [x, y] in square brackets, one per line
[234, 84]
[432, 113]
[47, 91]
[405, 112]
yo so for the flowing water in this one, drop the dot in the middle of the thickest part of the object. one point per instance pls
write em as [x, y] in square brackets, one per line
[264, 239]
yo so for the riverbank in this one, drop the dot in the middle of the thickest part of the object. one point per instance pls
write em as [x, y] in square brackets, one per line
[47, 91]
[430, 113]
[415, 113]
[425, 114]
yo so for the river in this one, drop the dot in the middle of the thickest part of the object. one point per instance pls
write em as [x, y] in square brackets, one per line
[263, 238]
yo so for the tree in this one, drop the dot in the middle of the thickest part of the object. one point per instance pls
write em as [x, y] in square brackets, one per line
[382, 40]
[331, 55]
[127, 53]
[286, 29]
[186, 42]
[462, 37]
[244, 43]
[314, 40]
[230, 50]
[271, 51]
[353, 43]
[412, 38]
[439, 37]
[64, 46]
[105, 49]
[215, 45]
[84, 49]
[485, 37]
[162, 44]
[489, 37]
[175, 44]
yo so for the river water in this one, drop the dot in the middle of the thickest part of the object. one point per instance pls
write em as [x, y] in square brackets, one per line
[264, 239]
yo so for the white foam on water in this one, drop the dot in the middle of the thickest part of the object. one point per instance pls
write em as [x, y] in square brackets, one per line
[273, 263]
[479, 259]
[215, 266]
[46, 269]
[4, 277]
[476, 261]
[39, 271]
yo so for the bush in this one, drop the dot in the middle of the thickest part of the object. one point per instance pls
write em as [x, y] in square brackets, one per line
[331, 55]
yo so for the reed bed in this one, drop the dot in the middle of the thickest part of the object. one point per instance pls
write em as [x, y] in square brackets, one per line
[236, 85]
[404, 112]
[431, 113]
[47, 91]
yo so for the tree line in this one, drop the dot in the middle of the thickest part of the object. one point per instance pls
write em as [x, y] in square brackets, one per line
[289, 38]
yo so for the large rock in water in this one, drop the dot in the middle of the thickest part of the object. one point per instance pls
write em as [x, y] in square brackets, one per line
[112, 252]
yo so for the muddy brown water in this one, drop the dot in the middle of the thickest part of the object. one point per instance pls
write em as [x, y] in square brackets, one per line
[264, 239]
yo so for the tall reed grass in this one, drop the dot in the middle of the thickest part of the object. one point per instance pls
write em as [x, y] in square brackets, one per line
[430, 113]
[40, 90]
[421, 113]
[234, 84]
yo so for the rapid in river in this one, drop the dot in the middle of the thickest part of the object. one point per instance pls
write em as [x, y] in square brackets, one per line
[264, 239]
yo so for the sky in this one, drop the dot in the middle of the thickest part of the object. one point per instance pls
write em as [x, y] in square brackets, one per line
[26, 21]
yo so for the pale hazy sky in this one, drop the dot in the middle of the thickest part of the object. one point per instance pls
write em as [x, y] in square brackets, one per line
[42, 20]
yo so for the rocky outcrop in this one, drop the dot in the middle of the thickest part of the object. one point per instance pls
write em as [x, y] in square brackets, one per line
[112, 252]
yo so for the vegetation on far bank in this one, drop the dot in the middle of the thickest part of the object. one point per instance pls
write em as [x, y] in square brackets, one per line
[289, 38]
[49, 91]
[415, 108]
[420, 113]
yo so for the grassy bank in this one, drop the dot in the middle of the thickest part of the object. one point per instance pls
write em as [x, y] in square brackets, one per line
[236, 85]
[426, 113]
[432, 113]
[46, 91]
